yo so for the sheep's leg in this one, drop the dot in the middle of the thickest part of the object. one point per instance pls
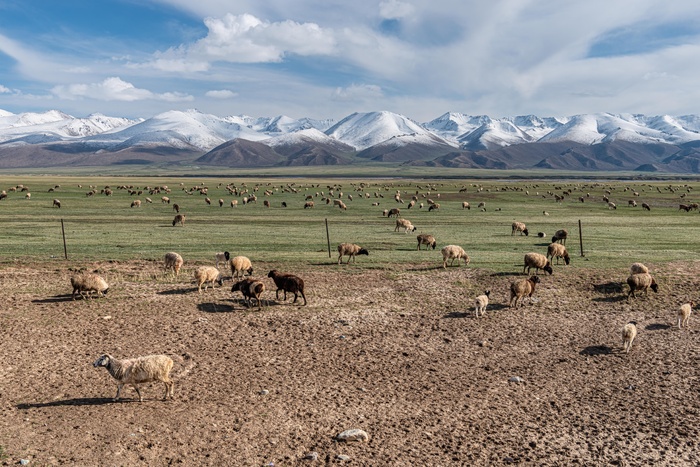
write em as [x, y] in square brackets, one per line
[303, 296]
[340, 258]
[138, 392]
[119, 390]
[295, 296]
[285, 296]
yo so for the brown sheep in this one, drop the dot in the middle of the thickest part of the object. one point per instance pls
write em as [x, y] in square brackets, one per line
[350, 250]
[288, 283]
[179, 219]
[251, 289]
[522, 287]
[537, 261]
[426, 239]
[642, 283]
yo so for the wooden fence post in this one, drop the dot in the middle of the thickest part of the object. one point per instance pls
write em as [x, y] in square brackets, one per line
[580, 237]
[328, 239]
[63, 232]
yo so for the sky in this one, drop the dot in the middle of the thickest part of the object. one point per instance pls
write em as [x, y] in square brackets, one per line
[326, 59]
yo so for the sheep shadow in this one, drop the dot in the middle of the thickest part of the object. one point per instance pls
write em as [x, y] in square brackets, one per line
[618, 298]
[55, 299]
[68, 402]
[215, 308]
[470, 313]
[182, 291]
[426, 268]
[657, 327]
[506, 274]
[595, 350]
[608, 287]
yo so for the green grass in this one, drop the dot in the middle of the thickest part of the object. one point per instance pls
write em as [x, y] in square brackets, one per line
[107, 228]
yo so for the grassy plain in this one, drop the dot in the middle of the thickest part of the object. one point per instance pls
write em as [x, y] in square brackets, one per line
[107, 228]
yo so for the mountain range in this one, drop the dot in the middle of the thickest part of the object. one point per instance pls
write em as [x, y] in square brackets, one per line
[590, 142]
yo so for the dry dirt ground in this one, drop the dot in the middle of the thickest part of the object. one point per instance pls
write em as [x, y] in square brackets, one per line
[395, 352]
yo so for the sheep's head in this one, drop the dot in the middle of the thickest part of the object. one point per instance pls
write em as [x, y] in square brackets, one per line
[654, 285]
[250, 271]
[237, 286]
[363, 251]
[548, 267]
[526, 232]
[534, 279]
[102, 361]
[227, 255]
[104, 292]
[272, 273]
[220, 279]
[487, 293]
[567, 259]
[434, 244]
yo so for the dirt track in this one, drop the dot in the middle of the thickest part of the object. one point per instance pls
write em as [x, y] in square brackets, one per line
[395, 352]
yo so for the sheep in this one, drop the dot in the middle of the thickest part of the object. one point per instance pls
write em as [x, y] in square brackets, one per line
[165, 200]
[240, 265]
[481, 302]
[537, 261]
[434, 206]
[638, 268]
[519, 227]
[454, 252]
[221, 202]
[632, 203]
[309, 205]
[465, 205]
[425, 239]
[135, 371]
[612, 205]
[208, 201]
[385, 212]
[136, 203]
[404, 224]
[222, 257]
[180, 218]
[629, 332]
[173, 261]
[266, 203]
[288, 283]
[560, 236]
[234, 203]
[204, 274]
[684, 314]
[394, 212]
[541, 234]
[149, 200]
[559, 251]
[342, 206]
[56, 203]
[350, 250]
[28, 196]
[522, 287]
[641, 282]
[176, 207]
[481, 205]
[250, 288]
[89, 282]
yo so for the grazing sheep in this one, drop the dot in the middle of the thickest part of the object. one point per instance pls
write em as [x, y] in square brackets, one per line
[638, 268]
[480, 303]
[632, 203]
[222, 257]
[266, 203]
[136, 203]
[350, 250]
[308, 205]
[465, 205]
[251, 289]
[135, 371]
[180, 218]
[385, 212]
[612, 205]
[288, 283]
[404, 224]
[176, 207]
[342, 206]
[204, 274]
[559, 251]
[560, 236]
[641, 282]
[393, 212]
[646, 207]
[519, 227]
[522, 287]
[88, 282]
[684, 314]
[629, 332]
[221, 203]
[537, 261]
[240, 265]
[541, 234]
[173, 261]
[545, 213]
[208, 201]
[165, 200]
[56, 203]
[426, 239]
[434, 206]
[149, 200]
[454, 252]
[481, 205]
[28, 196]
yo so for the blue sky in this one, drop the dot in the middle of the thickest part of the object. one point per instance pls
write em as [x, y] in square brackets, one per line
[329, 58]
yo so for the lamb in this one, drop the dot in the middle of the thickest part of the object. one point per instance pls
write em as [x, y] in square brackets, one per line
[136, 203]
[641, 282]
[559, 251]
[519, 227]
[173, 261]
[454, 252]
[481, 302]
[465, 205]
[522, 287]
[135, 371]
[179, 219]
[288, 283]
[350, 250]
[57, 203]
[638, 268]
[684, 314]
[204, 274]
[404, 224]
[629, 332]
[240, 265]
[541, 234]
[222, 257]
[537, 261]
[560, 236]
[250, 288]
[88, 282]
[425, 239]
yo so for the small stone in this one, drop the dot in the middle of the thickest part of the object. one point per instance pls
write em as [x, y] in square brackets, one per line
[353, 435]
[343, 457]
[311, 456]
[107, 317]
[264, 392]
[23, 461]
[516, 379]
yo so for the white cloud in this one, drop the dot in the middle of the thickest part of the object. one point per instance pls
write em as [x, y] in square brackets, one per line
[4, 90]
[357, 92]
[394, 9]
[221, 94]
[114, 89]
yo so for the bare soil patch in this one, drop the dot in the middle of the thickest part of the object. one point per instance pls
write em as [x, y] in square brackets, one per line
[396, 352]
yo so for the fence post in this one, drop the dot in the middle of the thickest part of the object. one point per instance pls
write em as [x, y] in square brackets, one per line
[63, 232]
[328, 239]
[580, 238]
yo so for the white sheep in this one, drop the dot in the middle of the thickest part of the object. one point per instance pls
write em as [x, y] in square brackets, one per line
[88, 282]
[466, 205]
[240, 265]
[518, 227]
[454, 252]
[350, 250]
[135, 371]
[559, 251]
[404, 224]
[222, 257]
[537, 261]
[481, 302]
[173, 261]
[204, 274]
[684, 314]
[629, 332]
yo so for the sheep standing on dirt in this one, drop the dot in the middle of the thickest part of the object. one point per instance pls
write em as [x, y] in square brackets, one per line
[641, 282]
[560, 236]
[350, 250]
[629, 332]
[522, 287]
[519, 227]
[684, 314]
[537, 261]
[480, 303]
[425, 239]
[179, 219]
[240, 265]
[251, 289]
[454, 252]
[135, 371]
[88, 282]
[222, 257]
[404, 224]
[173, 261]
[204, 274]
[559, 251]
[288, 283]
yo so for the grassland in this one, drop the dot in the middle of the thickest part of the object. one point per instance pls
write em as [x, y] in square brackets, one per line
[107, 228]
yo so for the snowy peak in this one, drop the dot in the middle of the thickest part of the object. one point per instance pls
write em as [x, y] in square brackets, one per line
[363, 130]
